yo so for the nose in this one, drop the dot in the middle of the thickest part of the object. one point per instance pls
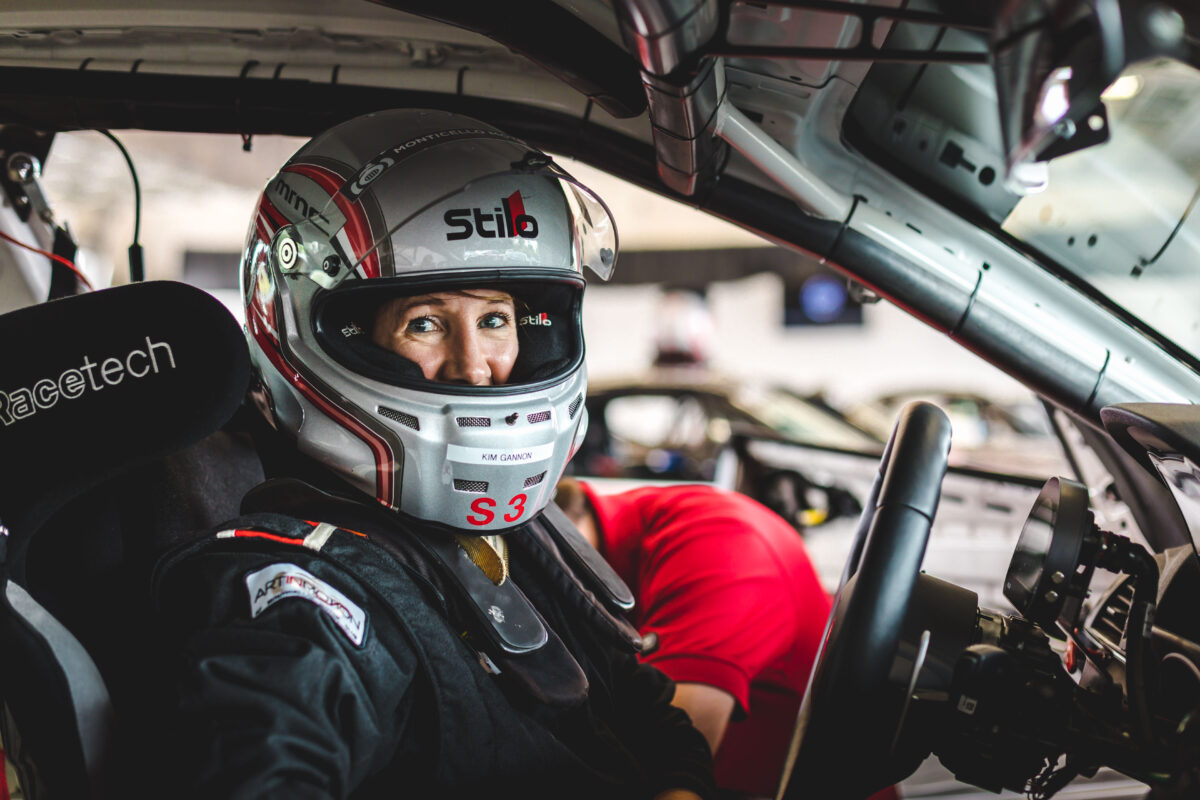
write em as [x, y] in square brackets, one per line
[466, 360]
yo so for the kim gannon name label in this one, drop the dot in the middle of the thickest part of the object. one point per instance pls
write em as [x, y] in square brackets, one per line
[491, 455]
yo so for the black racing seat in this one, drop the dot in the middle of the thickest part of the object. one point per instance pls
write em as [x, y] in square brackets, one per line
[112, 408]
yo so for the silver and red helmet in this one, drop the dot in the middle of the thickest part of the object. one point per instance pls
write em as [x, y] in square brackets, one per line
[410, 202]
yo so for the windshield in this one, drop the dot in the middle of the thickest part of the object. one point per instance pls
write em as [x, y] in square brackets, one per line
[1121, 215]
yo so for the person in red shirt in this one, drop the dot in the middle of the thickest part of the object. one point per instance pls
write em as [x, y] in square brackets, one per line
[726, 588]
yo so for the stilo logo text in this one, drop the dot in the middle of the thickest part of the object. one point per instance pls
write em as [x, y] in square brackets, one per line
[506, 221]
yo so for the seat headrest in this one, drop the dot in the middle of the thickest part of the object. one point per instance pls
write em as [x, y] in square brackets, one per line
[94, 383]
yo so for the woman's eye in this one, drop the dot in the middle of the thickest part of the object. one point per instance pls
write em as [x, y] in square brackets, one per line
[496, 319]
[421, 325]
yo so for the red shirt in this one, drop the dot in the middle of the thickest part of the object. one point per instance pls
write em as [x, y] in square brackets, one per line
[727, 586]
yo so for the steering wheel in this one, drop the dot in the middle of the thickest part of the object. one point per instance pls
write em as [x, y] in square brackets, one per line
[849, 717]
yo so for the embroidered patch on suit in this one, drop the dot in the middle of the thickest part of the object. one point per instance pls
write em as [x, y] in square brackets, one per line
[271, 584]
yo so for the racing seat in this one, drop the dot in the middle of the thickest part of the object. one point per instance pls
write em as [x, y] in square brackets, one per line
[111, 410]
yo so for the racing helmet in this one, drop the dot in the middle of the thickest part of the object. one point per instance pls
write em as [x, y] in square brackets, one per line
[407, 202]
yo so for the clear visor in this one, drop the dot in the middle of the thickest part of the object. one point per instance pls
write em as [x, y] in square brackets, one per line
[533, 215]
[595, 231]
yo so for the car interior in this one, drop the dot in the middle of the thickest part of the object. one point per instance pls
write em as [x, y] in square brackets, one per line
[980, 164]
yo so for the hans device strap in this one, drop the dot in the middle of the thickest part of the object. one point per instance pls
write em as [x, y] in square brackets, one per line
[578, 586]
[586, 560]
[513, 623]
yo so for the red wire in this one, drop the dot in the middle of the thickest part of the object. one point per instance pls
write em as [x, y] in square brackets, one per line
[66, 262]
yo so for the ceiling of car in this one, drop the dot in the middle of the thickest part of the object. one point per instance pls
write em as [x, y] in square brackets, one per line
[260, 67]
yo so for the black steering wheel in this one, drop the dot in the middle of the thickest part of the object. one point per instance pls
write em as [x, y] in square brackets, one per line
[844, 736]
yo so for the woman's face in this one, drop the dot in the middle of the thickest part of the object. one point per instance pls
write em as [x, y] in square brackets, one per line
[467, 336]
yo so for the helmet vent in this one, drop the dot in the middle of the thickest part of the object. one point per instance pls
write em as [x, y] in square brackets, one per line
[475, 487]
[534, 480]
[399, 416]
[575, 405]
[474, 422]
[541, 416]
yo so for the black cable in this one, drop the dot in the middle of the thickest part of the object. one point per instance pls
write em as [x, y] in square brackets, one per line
[1187, 212]
[137, 272]
[137, 188]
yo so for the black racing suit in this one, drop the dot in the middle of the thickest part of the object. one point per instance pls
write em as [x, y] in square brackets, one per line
[386, 687]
